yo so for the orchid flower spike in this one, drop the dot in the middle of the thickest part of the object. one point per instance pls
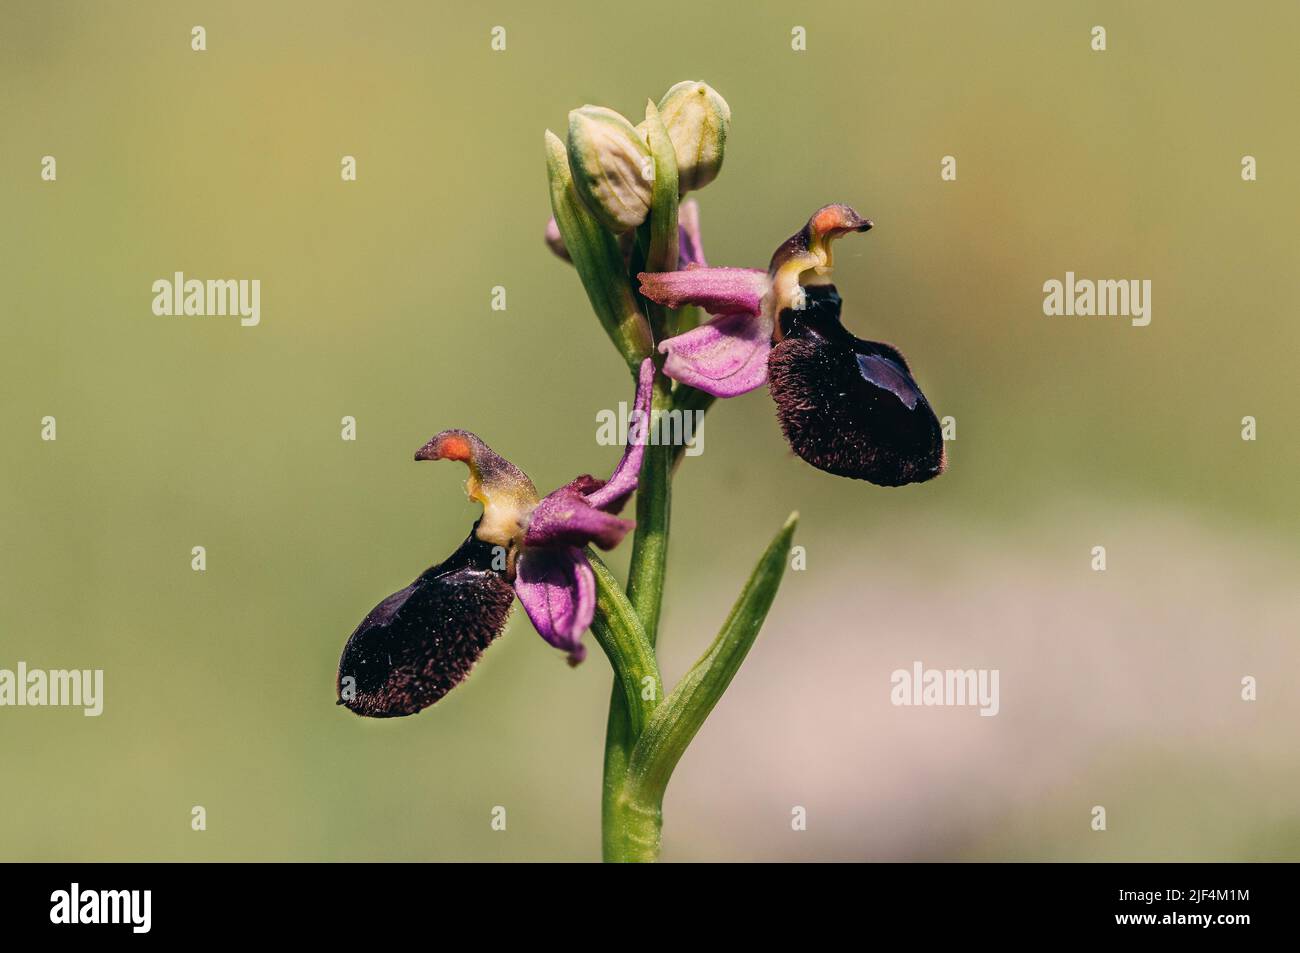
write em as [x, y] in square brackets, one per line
[847, 406]
[421, 642]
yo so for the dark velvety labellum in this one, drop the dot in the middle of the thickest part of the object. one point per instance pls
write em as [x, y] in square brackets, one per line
[421, 642]
[848, 406]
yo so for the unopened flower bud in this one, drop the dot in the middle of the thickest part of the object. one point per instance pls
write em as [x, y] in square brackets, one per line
[698, 120]
[612, 168]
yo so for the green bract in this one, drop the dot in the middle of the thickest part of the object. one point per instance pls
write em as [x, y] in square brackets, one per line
[599, 261]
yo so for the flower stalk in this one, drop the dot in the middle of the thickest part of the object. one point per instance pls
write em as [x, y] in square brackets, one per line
[630, 830]
[627, 830]
[642, 746]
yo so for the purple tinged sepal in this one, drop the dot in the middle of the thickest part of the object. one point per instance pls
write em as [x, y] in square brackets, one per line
[555, 242]
[716, 290]
[725, 357]
[557, 589]
[566, 518]
[690, 244]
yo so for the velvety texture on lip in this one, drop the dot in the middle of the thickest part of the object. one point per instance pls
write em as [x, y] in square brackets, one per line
[422, 641]
[848, 406]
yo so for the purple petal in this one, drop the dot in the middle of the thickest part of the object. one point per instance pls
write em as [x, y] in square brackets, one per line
[585, 484]
[690, 248]
[555, 243]
[622, 481]
[716, 290]
[558, 591]
[566, 518]
[725, 357]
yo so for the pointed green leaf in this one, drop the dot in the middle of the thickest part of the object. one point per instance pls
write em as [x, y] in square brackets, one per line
[618, 630]
[674, 723]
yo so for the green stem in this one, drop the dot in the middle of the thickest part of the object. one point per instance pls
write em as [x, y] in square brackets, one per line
[618, 747]
[645, 585]
[630, 827]
[688, 400]
[618, 629]
[630, 834]
[634, 832]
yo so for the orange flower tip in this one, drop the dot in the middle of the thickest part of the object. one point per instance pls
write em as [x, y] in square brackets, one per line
[446, 446]
[838, 219]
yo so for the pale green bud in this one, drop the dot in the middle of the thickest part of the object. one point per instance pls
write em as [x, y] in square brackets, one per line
[698, 120]
[612, 168]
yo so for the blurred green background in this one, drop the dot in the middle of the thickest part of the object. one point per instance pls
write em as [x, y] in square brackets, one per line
[1118, 688]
